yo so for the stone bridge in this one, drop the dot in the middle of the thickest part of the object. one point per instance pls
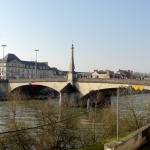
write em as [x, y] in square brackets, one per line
[82, 85]
[76, 86]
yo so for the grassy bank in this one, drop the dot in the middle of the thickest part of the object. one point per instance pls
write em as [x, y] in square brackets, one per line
[95, 146]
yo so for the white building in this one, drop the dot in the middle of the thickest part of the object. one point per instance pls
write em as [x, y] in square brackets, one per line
[11, 67]
[100, 74]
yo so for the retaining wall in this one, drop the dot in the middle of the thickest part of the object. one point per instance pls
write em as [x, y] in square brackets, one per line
[131, 142]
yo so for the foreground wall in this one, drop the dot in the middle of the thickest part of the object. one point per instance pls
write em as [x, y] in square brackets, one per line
[131, 142]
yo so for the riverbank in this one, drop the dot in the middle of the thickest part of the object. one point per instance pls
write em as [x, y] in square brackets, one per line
[95, 146]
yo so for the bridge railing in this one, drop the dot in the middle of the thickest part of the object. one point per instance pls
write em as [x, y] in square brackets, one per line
[87, 80]
[114, 81]
[39, 80]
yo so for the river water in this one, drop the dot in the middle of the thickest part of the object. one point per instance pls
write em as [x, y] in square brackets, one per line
[139, 102]
[25, 110]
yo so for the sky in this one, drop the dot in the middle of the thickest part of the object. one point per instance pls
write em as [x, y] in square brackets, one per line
[107, 34]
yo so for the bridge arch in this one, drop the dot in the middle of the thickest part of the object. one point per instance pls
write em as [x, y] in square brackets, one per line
[100, 97]
[58, 86]
[85, 88]
[106, 90]
[33, 92]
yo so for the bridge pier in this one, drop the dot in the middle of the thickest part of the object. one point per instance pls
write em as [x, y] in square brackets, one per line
[100, 98]
[68, 99]
[104, 101]
[3, 88]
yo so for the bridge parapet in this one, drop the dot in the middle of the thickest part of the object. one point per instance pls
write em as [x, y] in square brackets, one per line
[38, 80]
[115, 81]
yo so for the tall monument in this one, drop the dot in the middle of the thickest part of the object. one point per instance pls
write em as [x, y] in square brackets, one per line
[71, 73]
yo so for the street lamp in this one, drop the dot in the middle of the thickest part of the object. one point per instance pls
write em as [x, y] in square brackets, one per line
[118, 95]
[36, 63]
[3, 60]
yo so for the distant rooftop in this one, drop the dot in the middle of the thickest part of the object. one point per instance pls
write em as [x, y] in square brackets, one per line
[10, 57]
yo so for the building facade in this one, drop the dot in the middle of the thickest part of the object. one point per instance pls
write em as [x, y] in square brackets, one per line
[100, 74]
[11, 67]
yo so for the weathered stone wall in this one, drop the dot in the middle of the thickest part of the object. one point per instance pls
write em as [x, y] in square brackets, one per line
[131, 142]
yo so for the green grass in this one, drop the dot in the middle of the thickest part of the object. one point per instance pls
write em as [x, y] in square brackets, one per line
[100, 145]
[95, 146]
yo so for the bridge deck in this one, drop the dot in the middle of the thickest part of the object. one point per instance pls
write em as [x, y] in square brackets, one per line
[38, 80]
[86, 80]
[115, 81]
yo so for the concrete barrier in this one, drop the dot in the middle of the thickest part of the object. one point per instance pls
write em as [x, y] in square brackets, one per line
[131, 142]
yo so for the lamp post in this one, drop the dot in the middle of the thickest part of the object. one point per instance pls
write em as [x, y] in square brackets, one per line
[60, 104]
[135, 87]
[3, 60]
[118, 94]
[36, 63]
